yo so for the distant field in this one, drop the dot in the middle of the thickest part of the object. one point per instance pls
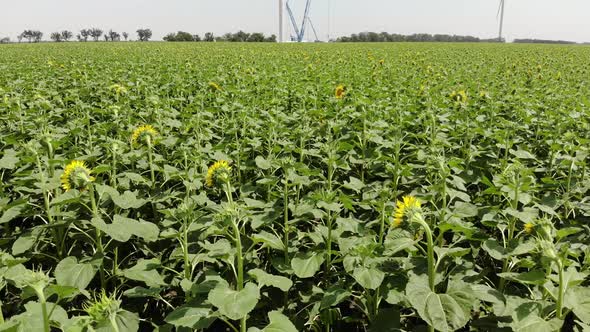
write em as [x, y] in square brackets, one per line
[308, 187]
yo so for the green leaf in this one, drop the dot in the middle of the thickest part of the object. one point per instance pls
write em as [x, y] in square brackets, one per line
[70, 273]
[268, 240]
[121, 229]
[145, 270]
[262, 163]
[24, 243]
[369, 278]
[234, 304]
[139, 291]
[191, 316]
[9, 159]
[533, 323]
[11, 213]
[267, 279]
[393, 245]
[578, 300]
[536, 277]
[445, 312]
[279, 323]
[124, 320]
[305, 265]
[32, 318]
[333, 296]
[354, 184]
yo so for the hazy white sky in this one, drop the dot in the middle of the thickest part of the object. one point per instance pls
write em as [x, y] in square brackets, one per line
[543, 19]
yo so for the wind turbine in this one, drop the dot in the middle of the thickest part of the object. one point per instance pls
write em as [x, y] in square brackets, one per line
[501, 14]
[300, 30]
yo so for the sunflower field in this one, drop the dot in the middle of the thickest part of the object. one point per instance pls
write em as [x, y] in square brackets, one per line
[317, 187]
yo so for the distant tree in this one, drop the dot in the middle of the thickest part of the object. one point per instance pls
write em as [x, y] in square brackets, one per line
[27, 34]
[84, 33]
[56, 37]
[256, 37]
[114, 36]
[271, 39]
[66, 35]
[125, 35]
[209, 37]
[95, 33]
[20, 37]
[106, 37]
[5, 40]
[144, 34]
[196, 38]
[37, 36]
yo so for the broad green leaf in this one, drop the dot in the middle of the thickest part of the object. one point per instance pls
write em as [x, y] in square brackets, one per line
[11, 213]
[369, 278]
[578, 300]
[234, 304]
[267, 279]
[279, 323]
[354, 184]
[124, 320]
[306, 265]
[145, 270]
[24, 243]
[333, 296]
[445, 312]
[121, 229]
[32, 318]
[534, 323]
[71, 273]
[9, 159]
[262, 163]
[268, 240]
[536, 277]
[192, 316]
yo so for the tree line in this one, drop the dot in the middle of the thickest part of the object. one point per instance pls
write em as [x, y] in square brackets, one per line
[240, 36]
[35, 36]
[375, 37]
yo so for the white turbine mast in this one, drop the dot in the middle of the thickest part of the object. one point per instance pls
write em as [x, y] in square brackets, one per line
[501, 14]
[280, 21]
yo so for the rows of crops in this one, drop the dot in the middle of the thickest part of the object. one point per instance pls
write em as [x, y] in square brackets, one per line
[294, 187]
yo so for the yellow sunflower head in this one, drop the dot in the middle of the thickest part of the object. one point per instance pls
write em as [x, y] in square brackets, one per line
[529, 228]
[142, 133]
[118, 89]
[218, 173]
[76, 176]
[214, 86]
[339, 92]
[459, 96]
[405, 207]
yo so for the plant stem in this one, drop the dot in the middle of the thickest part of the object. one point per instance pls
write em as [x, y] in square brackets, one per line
[187, 264]
[559, 305]
[150, 159]
[41, 297]
[239, 257]
[382, 228]
[430, 252]
[286, 220]
[98, 236]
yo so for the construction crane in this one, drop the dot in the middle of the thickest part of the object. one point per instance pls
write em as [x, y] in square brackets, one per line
[300, 31]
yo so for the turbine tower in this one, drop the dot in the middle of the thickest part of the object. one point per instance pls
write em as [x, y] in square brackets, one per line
[280, 21]
[300, 31]
[501, 13]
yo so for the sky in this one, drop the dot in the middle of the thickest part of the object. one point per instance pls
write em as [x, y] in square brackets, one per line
[540, 19]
